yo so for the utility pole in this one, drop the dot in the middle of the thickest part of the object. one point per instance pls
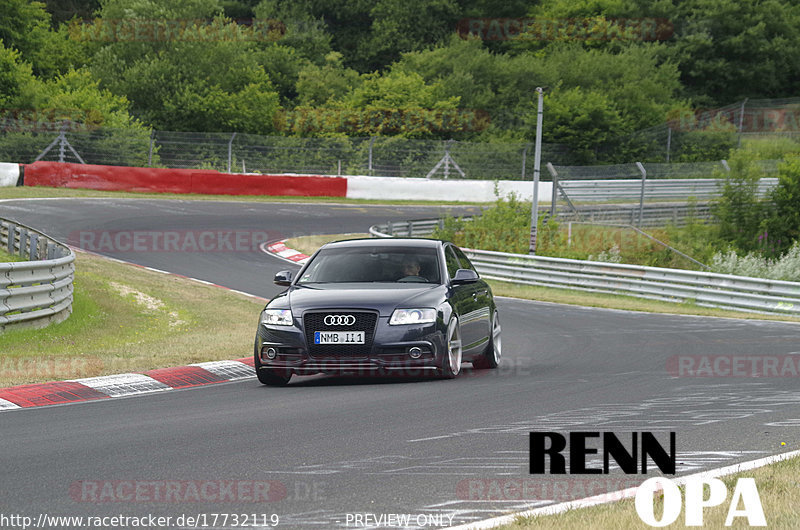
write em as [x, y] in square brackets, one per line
[537, 158]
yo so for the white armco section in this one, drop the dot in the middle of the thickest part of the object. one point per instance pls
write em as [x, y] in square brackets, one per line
[362, 187]
[9, 174]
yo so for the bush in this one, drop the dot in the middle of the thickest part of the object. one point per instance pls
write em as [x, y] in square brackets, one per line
[786, 267]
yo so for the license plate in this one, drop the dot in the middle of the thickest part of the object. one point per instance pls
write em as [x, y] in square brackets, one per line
[338, 337]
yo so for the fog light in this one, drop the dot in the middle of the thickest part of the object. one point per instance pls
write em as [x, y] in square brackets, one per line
[415, 353]
[271, 353]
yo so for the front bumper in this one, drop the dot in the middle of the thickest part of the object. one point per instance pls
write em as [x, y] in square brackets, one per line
[390, 353]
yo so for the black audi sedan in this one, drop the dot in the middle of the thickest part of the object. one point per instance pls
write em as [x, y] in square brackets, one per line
[412, 307]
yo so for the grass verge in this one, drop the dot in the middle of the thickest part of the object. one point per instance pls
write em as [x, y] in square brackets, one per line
[5, 257]
[777, 486]
[309, 244]
[38, 192]
[128, 319]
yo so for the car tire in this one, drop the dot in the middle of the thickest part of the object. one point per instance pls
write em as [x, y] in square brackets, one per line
[266, 376]
[490, 358]
[451, 360]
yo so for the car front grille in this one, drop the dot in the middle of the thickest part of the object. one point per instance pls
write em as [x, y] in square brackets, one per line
[364, 321]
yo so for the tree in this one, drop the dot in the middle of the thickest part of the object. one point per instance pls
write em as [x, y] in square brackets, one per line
[18, 86]
[175, 80]
[728, 49]
[739, 210]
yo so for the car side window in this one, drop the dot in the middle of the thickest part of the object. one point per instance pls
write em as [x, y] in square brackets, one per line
[451, 261]
[465, 262]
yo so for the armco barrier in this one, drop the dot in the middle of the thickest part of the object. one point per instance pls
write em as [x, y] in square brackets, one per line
[145, 179]
[38, 292]
[738, 293]
[656, 189]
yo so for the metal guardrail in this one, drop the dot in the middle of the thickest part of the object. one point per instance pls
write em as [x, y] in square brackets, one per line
[650, 214]
[37, 292]
[738, 293]
[662, 189]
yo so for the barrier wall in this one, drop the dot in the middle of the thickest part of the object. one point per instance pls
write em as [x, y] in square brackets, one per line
[9, 174]
[362, 187]
[140, 179]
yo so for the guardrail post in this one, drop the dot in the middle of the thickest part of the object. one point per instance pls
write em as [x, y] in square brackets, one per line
[641, 196]
[410, 229]
[390, 229]
[23, 240]
[12, 235]
[34, 247]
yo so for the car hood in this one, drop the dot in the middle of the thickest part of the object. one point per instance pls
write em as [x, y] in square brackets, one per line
[381, 297]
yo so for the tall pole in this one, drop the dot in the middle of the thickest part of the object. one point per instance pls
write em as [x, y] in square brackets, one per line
[537, 159]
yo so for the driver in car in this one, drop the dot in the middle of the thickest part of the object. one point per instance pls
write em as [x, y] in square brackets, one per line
[411, 269]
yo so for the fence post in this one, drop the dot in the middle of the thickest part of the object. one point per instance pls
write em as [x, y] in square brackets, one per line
[230, 151]
[641, 195]
[741, 120]
[725, 165]
[554, 197]
[524, 159]
[371, 143]
[150, 151]
[669, 141]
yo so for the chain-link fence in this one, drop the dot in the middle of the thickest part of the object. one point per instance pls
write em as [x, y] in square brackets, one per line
[237, 152]
[708, 134]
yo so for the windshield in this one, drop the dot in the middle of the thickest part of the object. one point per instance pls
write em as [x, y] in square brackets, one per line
[373, 264]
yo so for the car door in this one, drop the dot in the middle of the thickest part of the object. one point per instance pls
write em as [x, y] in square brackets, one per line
[481, 296]
[465, 300]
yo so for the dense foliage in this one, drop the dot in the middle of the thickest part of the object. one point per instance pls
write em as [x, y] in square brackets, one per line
[611, 66]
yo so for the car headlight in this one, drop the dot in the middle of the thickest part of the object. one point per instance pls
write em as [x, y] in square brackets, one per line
[276, 317]
[412, 316]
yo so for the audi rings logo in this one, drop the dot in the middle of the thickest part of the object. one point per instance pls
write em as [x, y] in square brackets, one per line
[340, 320]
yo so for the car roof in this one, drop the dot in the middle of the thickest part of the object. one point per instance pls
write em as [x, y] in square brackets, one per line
[387, 242]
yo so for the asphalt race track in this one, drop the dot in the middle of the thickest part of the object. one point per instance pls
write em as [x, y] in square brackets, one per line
[337, 446]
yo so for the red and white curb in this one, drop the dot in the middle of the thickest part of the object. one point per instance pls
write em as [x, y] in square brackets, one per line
[280, 250]
[120, 385]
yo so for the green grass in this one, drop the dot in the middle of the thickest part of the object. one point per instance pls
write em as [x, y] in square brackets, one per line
[777, 487]
[6, 257]
[127, 319]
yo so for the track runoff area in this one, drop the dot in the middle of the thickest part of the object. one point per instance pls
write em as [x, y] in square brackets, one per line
[587, 402]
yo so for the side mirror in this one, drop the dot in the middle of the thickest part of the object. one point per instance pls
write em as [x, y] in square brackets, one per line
[283, 278]
[465, 276]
